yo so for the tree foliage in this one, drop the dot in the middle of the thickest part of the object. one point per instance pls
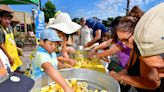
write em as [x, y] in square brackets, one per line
[107, 22]
[49, 10]
[77, 20]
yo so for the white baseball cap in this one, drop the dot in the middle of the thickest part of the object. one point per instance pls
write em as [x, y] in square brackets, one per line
[149, 32]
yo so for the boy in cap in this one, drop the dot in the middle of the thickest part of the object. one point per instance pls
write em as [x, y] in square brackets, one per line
[7, 43]
[45, 60]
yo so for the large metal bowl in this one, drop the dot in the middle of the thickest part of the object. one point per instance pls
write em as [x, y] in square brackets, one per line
[95, 79]
[81, 49]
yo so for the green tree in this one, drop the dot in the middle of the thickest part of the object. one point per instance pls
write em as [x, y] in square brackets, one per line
[110, 19]
[49, 10]
[107, 22]
[77, 20]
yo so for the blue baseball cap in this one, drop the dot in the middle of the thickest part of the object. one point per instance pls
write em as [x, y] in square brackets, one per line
[89, 22]
[50, 35]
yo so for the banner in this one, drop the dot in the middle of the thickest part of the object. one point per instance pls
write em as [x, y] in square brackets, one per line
[39, 23]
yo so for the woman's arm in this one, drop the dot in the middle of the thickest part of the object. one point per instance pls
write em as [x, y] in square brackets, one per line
[112, 50]
[104, 45]
[56, 76]
[148, 79]
[101, 46]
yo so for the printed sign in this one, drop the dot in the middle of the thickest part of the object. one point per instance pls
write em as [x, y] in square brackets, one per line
[39, 23]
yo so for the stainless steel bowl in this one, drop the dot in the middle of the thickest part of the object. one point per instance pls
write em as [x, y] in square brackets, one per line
[95, 79]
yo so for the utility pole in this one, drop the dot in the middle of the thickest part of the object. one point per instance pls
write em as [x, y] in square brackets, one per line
[127, 7]
[33, 19]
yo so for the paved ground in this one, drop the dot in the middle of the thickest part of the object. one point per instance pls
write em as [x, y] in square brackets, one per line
[27, 50]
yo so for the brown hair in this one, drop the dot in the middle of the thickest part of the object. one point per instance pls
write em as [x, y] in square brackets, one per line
[113, 26]
[127, 24]
[136, 12]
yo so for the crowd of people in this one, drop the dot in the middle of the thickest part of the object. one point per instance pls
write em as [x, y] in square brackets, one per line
[137, 39]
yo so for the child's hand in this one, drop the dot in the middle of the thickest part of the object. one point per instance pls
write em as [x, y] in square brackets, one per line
[91, 53]
[72, 62]
[67, 66]
[69, 90]
[63, 66]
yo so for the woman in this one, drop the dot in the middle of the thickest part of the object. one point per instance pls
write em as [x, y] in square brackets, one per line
[139, 73]
[116, 47]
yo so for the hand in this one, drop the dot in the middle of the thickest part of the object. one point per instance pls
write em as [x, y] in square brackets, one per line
[63, 66]
[20, 51]
[85, 45]
[91, 53]
[11, 61]
[69, 90]
[67, 66]
[70, 50]
[72, 62]
[115, 75]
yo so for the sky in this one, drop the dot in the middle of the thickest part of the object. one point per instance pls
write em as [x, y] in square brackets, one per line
[102, 9]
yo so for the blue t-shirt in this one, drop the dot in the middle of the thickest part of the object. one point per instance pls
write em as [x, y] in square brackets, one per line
[98, 26]
[41, 56]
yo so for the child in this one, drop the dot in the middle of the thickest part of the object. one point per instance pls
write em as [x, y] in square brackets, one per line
[63, 53]
[64, 26]
[45, 60]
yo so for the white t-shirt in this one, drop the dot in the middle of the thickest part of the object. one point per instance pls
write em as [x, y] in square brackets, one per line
[85, 35]
[5, 62]
[4, 59]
